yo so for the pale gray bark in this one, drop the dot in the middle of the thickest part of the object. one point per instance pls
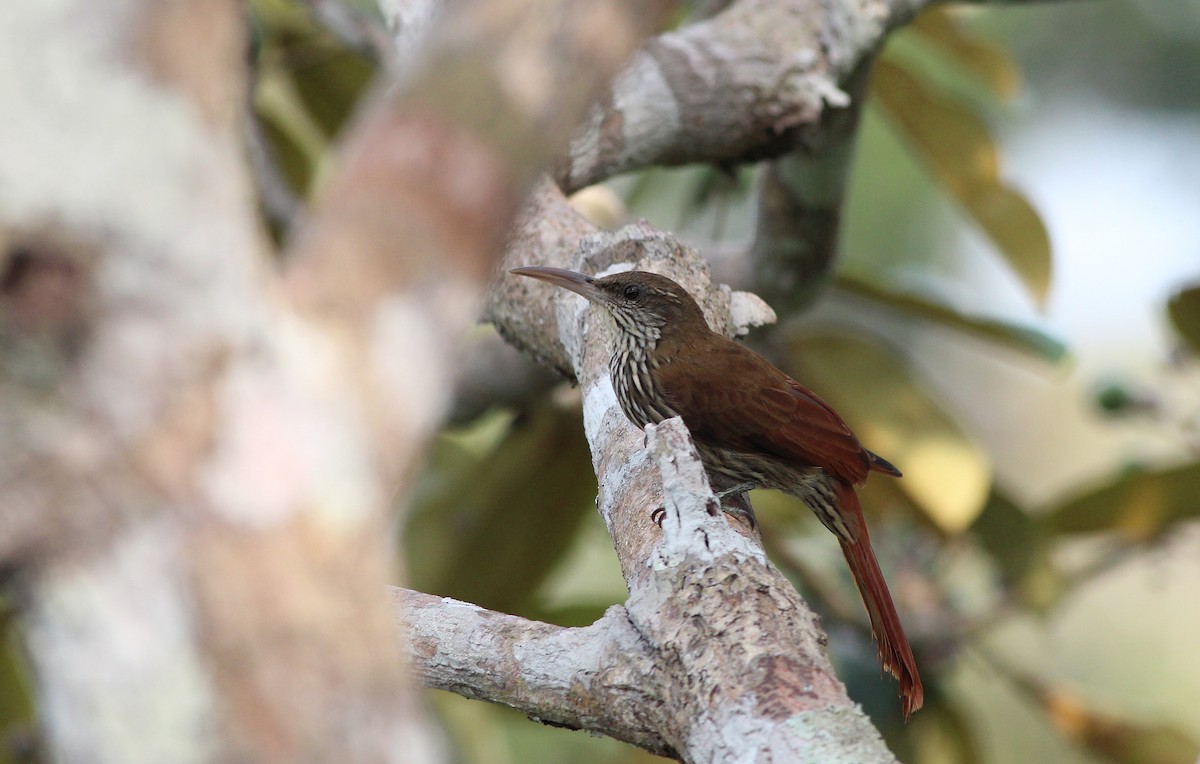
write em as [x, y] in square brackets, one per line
[184, 490]
[600, 678]
[751, 82]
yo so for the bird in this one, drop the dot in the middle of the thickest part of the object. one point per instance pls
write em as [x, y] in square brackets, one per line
[752, 424]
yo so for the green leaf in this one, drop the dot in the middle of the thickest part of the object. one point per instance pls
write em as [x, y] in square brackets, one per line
[961, 154]
[1026, 339]
[487, 527]
[297, 140]
[17, 718]
[329, 80]
[1184, 311]
[297, 165]
[945, 473]
[1140, 505]
[1015, 227]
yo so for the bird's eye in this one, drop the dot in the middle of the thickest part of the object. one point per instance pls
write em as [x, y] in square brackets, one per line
[632, 291]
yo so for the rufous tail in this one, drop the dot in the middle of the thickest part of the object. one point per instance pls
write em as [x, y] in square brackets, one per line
[894, 651]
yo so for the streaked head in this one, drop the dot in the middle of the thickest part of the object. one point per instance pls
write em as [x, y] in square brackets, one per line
[639, 302]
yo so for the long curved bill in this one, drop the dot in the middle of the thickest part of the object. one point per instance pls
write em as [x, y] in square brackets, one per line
[576, 282]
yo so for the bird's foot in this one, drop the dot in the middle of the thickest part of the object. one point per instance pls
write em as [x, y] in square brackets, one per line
[739, 488]
[738, 506]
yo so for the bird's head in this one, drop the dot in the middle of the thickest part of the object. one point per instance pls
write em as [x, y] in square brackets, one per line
[639, 303]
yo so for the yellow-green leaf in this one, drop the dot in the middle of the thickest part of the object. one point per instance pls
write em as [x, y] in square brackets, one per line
[985, 60]
[16, 700]
[1017, 230]
[289, 124]
[328, 80]
[1139, 505]
[956, 143]
[1184, 311]
[945, 473]
[1026, 339]
[961, 154]
[297, 165]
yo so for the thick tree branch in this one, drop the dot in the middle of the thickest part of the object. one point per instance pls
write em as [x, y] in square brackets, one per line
[703, 597]
[748, 83]
[751, 82]
[184, 493]
[713, 607]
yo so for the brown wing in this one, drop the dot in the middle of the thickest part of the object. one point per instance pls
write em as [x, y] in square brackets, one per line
[729, 395]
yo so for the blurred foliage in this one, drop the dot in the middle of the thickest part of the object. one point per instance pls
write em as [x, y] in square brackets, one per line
[1118, 398]
[1020, 549]
[940, 733]
[1140, 505]
[971, 53]
[1109, 737]
[1025, 339]
[18, 738]
[957, 145]
[706, 194]
[305, 86]
[961, 153]
[945, 474]
[1184, 311]
[498, 507]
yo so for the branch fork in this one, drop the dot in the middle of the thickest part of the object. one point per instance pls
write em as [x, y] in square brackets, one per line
[714, 656]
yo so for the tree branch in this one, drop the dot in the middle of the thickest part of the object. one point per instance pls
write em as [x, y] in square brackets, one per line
[759, 679]
[747, 84]
[595, 678]
[708, 608]
[183, 491]
[703, 597]
[751, 82]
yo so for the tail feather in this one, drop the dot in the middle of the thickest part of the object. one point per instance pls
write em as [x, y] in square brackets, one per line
[894, 651]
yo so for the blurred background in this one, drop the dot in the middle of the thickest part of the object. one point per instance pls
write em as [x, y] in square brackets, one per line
[1014, 321]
